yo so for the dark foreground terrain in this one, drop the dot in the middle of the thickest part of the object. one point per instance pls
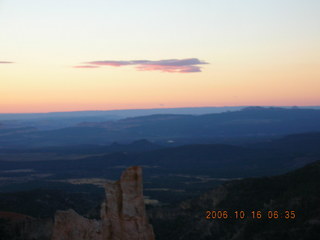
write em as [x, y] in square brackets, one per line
[171, 174]
[237, 176]
[288, 204]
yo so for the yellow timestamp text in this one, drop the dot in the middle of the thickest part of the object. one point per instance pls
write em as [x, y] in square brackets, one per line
[256, 214]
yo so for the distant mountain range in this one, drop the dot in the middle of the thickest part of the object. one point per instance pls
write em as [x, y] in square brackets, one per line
[125, 113]
[56, 120]
[172, 128]
[213, 160]
[119, 113]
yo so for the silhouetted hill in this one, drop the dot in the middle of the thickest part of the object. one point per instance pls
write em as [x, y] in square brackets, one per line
[135, 146]
[115, 113]
[215, 160]
[304, 142]
[296, 192]
[250, 122]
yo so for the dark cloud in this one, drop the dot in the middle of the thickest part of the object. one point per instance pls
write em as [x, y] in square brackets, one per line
[5, 62]
[188, 65]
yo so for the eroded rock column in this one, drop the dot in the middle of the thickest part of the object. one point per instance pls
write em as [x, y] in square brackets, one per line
[123, 215]
[124, 212]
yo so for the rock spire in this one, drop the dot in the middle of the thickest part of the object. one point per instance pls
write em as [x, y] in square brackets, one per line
[123, 215]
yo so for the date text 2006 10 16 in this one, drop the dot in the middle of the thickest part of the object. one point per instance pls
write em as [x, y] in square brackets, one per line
[251, 214]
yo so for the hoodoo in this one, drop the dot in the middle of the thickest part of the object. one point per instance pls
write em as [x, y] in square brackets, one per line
[123, 215]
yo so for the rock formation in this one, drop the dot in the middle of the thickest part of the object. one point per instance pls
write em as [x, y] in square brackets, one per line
[69, 225]
[123, 215]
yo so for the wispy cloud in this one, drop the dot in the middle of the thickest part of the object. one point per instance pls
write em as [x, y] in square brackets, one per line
[188, 65]
[5, 62]
[86, 66]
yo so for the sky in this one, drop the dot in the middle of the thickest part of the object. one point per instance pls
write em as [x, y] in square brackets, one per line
[128, 54]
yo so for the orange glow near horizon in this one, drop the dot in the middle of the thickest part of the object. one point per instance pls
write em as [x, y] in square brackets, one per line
[37, 108]
[281, 86]
[196, 54]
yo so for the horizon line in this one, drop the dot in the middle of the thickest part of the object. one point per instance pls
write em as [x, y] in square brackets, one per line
[132, 109]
